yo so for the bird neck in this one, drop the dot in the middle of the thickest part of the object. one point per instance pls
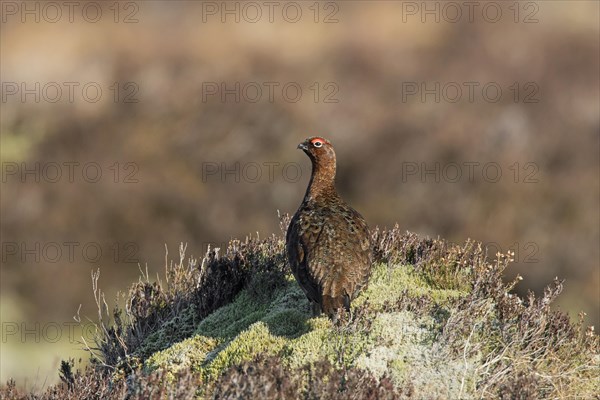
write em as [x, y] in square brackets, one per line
[322, 181]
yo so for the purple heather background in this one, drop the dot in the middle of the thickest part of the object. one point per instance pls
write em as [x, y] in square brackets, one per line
[451, 121]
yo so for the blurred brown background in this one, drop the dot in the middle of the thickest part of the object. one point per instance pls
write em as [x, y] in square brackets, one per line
[122, 124]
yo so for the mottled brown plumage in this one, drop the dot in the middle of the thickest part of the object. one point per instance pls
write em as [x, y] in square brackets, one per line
[327, 241]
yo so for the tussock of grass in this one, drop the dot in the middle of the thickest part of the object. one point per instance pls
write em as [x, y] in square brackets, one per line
[436, 321]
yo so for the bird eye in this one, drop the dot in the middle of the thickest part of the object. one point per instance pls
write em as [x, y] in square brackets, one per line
[318, 144]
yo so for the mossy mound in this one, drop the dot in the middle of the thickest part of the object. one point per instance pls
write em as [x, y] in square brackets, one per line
[435, 322]
[279, 324]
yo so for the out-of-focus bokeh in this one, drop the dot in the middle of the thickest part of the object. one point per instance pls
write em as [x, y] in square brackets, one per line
[128, 126]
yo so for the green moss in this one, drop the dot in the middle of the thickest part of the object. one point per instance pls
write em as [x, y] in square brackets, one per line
[249, 326]
[288, 323]
[278, 323]
[254, 341]
[387, 284]
[172, 331]
[233, 318]
[314, 345]
[288, 312]
[188, 354]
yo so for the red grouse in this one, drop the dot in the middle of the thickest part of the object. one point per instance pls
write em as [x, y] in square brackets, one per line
[327, 240]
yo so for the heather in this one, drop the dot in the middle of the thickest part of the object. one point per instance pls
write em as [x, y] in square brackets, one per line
[437, 321]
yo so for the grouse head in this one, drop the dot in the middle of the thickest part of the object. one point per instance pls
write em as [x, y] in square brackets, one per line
[321, 154]
[320, 151]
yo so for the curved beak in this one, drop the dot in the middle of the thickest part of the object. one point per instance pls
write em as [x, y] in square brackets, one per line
[303, 146]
